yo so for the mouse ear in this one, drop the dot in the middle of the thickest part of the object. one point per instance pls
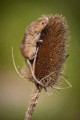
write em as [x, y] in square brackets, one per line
[52, 52]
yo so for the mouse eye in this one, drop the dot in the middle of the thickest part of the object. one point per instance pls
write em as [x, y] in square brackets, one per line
[43, 23]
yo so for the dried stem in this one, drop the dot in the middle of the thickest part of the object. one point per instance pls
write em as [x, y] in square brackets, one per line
[33, 102]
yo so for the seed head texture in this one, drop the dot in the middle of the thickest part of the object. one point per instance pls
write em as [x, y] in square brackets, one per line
[52, 52]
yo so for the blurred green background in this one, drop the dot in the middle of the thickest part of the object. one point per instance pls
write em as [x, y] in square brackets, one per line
[15, 92]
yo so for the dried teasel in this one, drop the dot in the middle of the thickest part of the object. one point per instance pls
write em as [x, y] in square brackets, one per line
[45, 69]
[52, 52]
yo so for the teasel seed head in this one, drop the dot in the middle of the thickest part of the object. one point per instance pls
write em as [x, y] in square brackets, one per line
[52, 52]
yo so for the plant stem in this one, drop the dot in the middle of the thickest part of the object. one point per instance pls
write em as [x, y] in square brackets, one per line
[33, 102]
